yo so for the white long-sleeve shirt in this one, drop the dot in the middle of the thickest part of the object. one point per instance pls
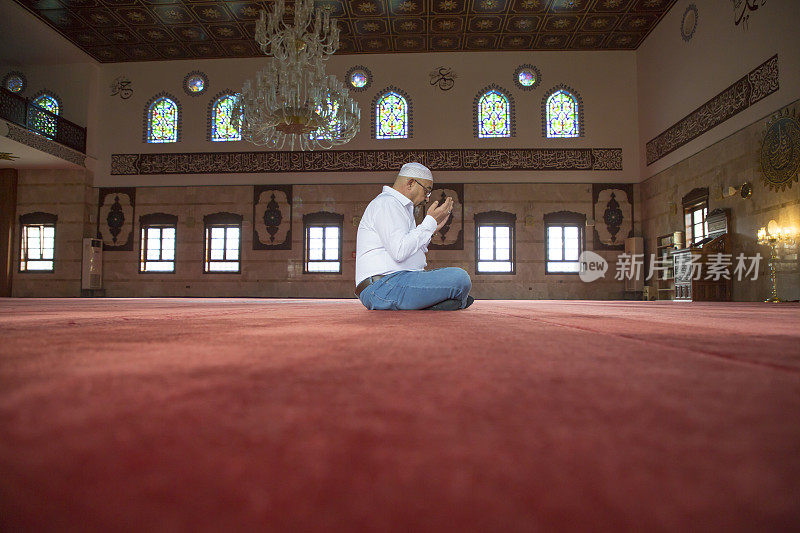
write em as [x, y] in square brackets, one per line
[388, 238]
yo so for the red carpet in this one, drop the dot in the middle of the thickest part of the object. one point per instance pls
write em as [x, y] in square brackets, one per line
[317, 415]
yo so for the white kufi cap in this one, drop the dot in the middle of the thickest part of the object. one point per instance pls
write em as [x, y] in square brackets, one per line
[415, 170]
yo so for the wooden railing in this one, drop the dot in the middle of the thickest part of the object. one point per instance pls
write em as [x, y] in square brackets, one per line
[19, 110]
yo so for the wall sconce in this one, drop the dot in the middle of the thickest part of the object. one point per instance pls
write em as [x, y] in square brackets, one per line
[772, 235]
[745, 190]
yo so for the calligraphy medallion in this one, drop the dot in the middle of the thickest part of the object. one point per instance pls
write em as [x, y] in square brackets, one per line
[780, 151]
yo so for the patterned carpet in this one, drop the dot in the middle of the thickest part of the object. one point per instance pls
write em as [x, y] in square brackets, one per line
[317, 415]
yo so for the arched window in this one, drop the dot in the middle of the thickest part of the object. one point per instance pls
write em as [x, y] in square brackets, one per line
[493, 113]
[562, 113]
[391, 114]
[222, 126]
[162, 117]
[40, 122]
[48, 102]
[331, 111]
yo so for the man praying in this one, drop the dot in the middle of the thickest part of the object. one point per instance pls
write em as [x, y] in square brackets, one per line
[391, 248]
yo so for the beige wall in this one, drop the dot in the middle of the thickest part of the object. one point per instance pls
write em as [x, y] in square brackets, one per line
[68, 194]
[605, 80]
[729, 162]
[674, 77]
[278, 273]
[73, 84]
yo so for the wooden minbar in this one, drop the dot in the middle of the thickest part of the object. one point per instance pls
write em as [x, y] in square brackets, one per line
[691, 284]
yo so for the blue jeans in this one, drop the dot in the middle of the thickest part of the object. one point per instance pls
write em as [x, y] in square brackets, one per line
[407, 290]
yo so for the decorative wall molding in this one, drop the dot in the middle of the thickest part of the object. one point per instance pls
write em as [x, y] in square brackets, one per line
[756, 85]
[42, 143]
[539, 159]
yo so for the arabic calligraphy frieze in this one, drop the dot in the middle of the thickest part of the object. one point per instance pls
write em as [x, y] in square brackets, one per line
[756, 85]
[590, 159]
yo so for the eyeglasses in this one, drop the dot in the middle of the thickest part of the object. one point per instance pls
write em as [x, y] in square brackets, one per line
[428, 191]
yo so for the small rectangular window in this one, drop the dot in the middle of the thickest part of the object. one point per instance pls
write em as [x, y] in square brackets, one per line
[696, 223]
[223, 247]
[495, 249]
[564, 247]
[157, 248]
[38, 246]
[323, 243]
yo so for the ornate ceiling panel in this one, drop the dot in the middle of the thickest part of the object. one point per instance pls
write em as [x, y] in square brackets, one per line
[141, 30]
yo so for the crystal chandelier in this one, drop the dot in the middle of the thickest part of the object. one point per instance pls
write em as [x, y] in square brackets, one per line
[292, 99]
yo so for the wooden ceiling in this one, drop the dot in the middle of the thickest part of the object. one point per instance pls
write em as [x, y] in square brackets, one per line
[141, 30]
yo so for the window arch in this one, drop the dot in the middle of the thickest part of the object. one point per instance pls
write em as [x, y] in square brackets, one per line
[562, 113]
[391, 114]
[40, 122]
[47, 100]
[162, 119]
[221, 126]
[493, 113]
[336, 126]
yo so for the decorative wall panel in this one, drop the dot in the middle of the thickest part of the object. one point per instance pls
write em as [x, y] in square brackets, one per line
[115, 211]
[756, 85]
[594, 159]
[451, 236]
[272, 217]
[613, 215]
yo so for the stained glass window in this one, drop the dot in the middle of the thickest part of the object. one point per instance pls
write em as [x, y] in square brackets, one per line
[162, 121]
[222, 126]
[323, 134]
[195, 84]
[40, 122]
[494, 117]
[358, 79]
[15, 83]
[562, 115]
[391, 117]
[526, 77]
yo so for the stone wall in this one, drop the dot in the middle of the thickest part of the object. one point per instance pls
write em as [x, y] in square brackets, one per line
[69, 195]
[279, 273]
[729, 163]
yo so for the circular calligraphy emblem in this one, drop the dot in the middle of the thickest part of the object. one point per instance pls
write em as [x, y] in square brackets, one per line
[780, 153]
